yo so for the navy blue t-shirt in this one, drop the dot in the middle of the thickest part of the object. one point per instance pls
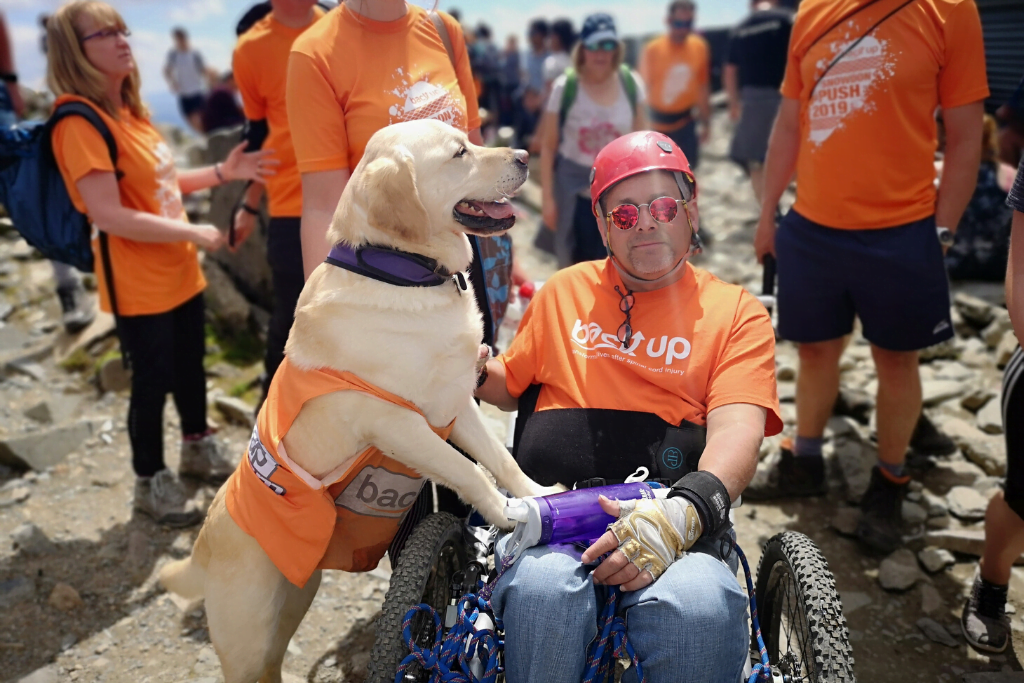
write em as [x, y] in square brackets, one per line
[758, 47]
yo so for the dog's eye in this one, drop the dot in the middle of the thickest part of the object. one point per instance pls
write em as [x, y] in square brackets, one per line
[461, 153]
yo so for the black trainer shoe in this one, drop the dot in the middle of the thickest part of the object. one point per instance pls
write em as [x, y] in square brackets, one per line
[793, 477]
[880, 528]
[76, 307]
[928, 440]
[984, 622]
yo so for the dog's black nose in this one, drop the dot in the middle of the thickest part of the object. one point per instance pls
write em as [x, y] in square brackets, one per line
[521, 157]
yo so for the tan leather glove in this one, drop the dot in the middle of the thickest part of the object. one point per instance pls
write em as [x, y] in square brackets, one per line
[654, 533]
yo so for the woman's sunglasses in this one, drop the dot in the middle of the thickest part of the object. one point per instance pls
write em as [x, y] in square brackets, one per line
[108, 33]
[662, 209]
[603, 46]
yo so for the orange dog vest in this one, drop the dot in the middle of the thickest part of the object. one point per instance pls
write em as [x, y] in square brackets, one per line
[345, 521]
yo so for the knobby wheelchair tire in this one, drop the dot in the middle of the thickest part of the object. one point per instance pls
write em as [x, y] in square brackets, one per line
[434, 552]
[797, 600]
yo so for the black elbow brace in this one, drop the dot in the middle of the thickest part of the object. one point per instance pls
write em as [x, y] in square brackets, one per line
[709, 495]
[255, 134]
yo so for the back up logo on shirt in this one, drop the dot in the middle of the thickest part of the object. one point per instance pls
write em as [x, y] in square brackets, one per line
[424, 100]
[376, 492]
[262, 462]
[591, 337]
[846, 89]
[677, 81]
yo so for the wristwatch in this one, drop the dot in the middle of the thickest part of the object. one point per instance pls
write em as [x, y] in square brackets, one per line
[946, 238]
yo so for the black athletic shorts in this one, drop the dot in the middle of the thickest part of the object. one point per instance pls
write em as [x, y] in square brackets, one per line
[1013, 428]
[190, 104]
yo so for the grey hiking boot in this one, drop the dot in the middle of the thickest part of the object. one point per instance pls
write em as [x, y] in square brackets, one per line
[77, 308]
[880, 528]
[984, 622]
[163, 498]
[204, 459]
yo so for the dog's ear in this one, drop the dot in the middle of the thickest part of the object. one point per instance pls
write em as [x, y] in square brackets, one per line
[393, 202]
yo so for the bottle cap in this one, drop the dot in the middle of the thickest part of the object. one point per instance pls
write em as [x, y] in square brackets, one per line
[527, 290]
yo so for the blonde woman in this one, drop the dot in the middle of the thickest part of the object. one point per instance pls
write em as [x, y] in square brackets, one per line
[157, 281]
[591, 104]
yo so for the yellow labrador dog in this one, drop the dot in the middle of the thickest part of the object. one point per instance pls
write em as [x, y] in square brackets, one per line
[420, 188]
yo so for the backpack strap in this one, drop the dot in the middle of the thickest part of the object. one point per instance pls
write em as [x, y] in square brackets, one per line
[572, 86]
[629, 85]
[442, 32]
[96, 121]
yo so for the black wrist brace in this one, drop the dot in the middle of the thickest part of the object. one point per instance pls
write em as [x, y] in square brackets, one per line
[709, 496]
[255, 134]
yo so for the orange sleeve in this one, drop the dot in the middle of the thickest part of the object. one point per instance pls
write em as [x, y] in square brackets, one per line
[79, 149]
[745, 372]
[253, 104]
[315, 117]
[963, 79]
[645, 64]
[792, 82]
[704, 68]
[463, 71]
[521, 360]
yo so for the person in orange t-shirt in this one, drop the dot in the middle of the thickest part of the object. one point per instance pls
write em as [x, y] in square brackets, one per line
[868, 230]
[676, 69]
[260, 66]
[158, 283]
[639, 360]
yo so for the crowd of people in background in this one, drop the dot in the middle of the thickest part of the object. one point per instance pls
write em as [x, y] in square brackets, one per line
[882, 200]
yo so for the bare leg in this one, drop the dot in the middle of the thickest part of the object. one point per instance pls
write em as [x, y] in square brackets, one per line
[817, 386]
[472, 435]
[899, 402]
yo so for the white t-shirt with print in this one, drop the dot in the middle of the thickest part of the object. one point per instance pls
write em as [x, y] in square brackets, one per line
[590, 126]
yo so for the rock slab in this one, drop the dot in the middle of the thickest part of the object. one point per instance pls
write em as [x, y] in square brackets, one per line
[935, 559]
[16, 590]
[45, 448]
[966, 503]
[936, 632]
[899, 571]
[31, 540]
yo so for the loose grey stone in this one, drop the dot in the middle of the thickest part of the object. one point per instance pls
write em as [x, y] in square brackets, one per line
[855, 461]
[976, 399]
[236, 410]
[787, 391]
[225, 303]
[935, 505]
[16, 590]
[1006, 347]
[31, 540]
[40, 412]
[785, 373]
[934, 560]
[935, 391]
[914, 514]
[993, 332]
[44, 448]
[966, 503]
[931, 600]
[28, 369]
[974, 310]
[990, 418]
[985, 450]
[47, 674]
[853, 601]
[845, 520]
[899, 571]
[975, 354]
[113, 376]
[936, 632]
[18, 494]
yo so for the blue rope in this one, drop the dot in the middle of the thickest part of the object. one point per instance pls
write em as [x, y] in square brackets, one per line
[448, 659]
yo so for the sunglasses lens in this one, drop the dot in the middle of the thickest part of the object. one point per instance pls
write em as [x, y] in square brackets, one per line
[625, 333]
[625, 216]
[626, 303]
[664, 209]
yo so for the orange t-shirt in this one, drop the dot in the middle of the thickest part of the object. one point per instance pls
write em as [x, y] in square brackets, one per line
[674, 75]
[260, 65]
[345, 521]
[348, 77]
[149, 277]
[868, 137]
[697, 344]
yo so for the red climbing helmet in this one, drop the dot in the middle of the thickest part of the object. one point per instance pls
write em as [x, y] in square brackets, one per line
[635, 153]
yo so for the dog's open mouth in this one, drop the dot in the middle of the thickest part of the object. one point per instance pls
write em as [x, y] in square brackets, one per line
[484, 216]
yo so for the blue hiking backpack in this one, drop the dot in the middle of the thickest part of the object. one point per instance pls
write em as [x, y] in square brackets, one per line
[33, 190]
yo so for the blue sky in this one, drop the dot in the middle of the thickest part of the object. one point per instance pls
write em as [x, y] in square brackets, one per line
[211, 25]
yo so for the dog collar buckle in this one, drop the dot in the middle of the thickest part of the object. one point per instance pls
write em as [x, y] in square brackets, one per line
[460, 282]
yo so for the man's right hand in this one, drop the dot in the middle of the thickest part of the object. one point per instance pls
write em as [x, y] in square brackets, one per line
[245, 223]
[764, 238]
[208, 236]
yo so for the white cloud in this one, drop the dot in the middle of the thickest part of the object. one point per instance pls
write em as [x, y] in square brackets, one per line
[197, 10]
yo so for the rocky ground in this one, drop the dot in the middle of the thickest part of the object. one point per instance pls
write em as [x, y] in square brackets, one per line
[78, 599]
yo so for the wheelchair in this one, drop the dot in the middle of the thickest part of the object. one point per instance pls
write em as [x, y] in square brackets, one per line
[445, 556]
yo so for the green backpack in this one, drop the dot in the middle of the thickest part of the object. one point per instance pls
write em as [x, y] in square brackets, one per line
[572, 86]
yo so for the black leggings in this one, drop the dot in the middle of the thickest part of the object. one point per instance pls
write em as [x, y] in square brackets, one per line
[1013, 427]
[284, 254]
[166, 351]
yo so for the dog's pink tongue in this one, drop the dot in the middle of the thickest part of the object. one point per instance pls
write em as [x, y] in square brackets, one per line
[496, 209]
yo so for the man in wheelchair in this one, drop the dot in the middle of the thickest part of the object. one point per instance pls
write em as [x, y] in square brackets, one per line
[638, 360]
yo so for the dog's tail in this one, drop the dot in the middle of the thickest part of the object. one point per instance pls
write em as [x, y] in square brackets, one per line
[187, 577]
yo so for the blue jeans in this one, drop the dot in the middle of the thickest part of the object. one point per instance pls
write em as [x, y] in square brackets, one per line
[689, 625]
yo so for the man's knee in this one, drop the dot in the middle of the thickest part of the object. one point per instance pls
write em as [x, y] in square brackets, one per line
[551, 577]
[895, 361]
[822, 353]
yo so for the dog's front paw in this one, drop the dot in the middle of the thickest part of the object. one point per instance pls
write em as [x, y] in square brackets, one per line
[538, 490]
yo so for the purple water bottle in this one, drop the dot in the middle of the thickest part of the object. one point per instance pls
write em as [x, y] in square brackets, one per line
[568, 517]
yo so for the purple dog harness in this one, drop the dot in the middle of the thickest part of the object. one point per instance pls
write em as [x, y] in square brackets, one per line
[394, 267]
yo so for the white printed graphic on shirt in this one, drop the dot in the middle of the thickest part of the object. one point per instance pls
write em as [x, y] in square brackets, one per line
[677, 80]
[424, 100]
[168, 193]
[846, 90]
[590, 337]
